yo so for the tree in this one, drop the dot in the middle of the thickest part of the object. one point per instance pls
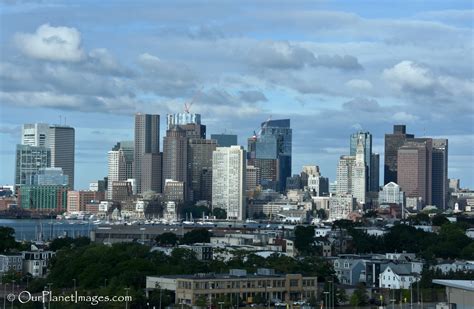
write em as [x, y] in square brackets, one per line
[321, 214]
[219, 213]
[359, 297]
[196, 236]
[439, 220]
[304, 239]
[167, 239]
[7, 239]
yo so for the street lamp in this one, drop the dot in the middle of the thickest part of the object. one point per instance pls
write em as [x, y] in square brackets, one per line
[126, 297]
[326, 297]
[13, 291]
[5, 295]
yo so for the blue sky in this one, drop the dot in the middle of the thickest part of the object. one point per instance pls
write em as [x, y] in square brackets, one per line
[332, 67]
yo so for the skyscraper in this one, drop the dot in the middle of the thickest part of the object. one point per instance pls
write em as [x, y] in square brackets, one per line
[374, 172]
[199, 163]
[359, 173]
[440, 173]
[61, 141]
[225, 140]
[35, 134]
[182, 119]
[366, 139]
[175, 155]
[147, 140]
[29, 160]
[152, 167]
[127, 148]
[228, 181]
[392, 143]
[415, 168]
[275, 143]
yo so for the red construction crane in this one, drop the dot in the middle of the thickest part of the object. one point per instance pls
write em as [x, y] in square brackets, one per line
[187, 106]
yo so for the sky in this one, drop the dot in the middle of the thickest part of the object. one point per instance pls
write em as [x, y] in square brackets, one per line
[332, 67]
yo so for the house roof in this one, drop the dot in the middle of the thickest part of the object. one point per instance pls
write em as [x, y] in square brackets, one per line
[459, 284]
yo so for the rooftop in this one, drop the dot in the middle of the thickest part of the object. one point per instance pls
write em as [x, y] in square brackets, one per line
[458, 284]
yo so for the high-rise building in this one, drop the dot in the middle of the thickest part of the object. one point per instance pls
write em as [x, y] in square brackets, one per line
[152, 166]
[281, 133]
[392, 143]
[228, 181]
[374, 172]
[175, 155]
[174, 191]
[127, 148]
[29, 160]
[318, 185]
[344, 175]
[391, 194]
[147, 140]
[182, 119]
[35, 134]
[225, 140]
[366, 139]
[359, 173]
[61, 141]
[439, 175]
[50, 176]
[415, 167]
[199, 163]
[252, 177]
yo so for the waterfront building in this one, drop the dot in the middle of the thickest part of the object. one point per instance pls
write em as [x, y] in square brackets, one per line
[43, 197]
[50, 176]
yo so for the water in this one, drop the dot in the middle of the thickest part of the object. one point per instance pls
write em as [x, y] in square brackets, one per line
[32, 229]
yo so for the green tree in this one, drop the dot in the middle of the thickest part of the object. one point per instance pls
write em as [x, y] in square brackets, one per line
[219, 213]
[167, 239]
[7, 239]
[201, 235]
[359, 297]
[439, 220]
[304, 239]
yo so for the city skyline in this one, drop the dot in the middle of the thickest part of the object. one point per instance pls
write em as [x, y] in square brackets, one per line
[406, 66]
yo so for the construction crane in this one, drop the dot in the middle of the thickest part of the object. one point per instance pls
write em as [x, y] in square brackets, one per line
[187, 106]
[264, 126]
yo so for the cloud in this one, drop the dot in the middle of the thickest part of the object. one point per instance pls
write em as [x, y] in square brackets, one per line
[359, 85]
[408, 75]
[252, 96]
[362, 104]
[403, 117]
[345, 62]
[51, 43]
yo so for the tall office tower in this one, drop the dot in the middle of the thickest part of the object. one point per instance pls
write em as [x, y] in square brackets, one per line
[282, 133]
[152, 166]
[266, 159]
[414, 169]
[391, 194]
[147, 140]
[175, 155]
[182, 119]
[29, 160]
[251, 149]
[199, 163]
[344, 175]
[116, 168]
[193, 130]
[359, 173]
[61, 141]
[374, 172]
[228, 181]
[35, 134]
[127, 148]
[318, 185]
[439, 175]
[366, 139]
[225, 140]
[392, 143]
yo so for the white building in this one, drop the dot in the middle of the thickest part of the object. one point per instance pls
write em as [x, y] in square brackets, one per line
[116, 168]
[228, 181]
[35, 134]
[391, 193]
[359, 174]
[341, 206]
[36, 262]
[10, 262]
[397, 277]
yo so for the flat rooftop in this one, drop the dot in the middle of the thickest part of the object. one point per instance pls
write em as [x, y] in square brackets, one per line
[458, 284]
